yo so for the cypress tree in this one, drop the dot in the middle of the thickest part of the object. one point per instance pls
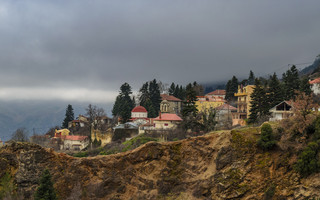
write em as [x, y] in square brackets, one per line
[69, 116]
[45, 190]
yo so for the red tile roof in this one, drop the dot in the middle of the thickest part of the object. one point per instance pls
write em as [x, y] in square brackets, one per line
[139, 109]
[217, 92]
[226, 107]
[317, 80]
[75, 137]
[169, 97]
[167, 117]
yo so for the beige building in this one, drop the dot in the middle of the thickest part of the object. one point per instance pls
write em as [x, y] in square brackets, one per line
[170, 104]
[75, 142]
[166, 121]
[243, 103]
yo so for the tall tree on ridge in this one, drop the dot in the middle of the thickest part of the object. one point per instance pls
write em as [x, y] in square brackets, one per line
[155, 97]
[259, 104]
[189, 110]
[275, 93]
[69, 116]
[305, 86]
[291, 82]
[251, 78]
[123, 104]
[231, 88]
[172, 89]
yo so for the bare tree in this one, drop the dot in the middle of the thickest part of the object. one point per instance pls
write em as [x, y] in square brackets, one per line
[20, 135]
[95, 116]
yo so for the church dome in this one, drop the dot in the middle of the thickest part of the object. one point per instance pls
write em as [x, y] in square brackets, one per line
[139, 109]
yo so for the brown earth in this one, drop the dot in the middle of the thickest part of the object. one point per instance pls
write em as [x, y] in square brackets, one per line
[221, 165]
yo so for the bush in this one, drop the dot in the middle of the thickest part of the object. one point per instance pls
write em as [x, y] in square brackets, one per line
[308, 162]
[45, 189]
[266, 141]
[80, 154]
[136, 142]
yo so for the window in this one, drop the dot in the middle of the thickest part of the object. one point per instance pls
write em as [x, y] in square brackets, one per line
[165, 124]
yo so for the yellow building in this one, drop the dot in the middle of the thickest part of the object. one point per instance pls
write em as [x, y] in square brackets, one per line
[61, 133]
[244, 104]
[206, 103]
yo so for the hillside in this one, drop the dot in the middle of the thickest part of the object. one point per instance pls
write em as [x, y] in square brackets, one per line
[220, 165]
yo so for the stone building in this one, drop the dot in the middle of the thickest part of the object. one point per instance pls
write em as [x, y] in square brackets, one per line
[170, 104]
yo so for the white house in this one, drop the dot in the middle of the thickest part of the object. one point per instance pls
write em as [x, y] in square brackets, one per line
[283, 110]
[75, 142]
[315, 85]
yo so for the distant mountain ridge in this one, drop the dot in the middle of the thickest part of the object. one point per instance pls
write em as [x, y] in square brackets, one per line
[314, 67]
[36, 116]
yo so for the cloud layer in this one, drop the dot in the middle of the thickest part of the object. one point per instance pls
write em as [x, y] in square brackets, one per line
[81, 49]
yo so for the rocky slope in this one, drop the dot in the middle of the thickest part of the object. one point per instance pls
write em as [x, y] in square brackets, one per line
[221, 165]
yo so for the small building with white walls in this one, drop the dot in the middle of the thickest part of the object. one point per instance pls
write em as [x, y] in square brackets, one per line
[139, 115]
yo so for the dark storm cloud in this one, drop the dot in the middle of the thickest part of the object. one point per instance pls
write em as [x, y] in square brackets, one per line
[84, 46]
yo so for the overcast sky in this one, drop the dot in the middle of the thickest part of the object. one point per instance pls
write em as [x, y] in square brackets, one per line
[85, 49]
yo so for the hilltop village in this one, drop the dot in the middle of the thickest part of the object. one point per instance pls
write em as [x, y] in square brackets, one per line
[254, 139]
[179, 112]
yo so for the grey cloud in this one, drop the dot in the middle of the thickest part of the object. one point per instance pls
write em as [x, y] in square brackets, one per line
[101, 44]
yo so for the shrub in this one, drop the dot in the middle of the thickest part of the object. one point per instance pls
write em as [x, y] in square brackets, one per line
[266, 141]
[308, 162]
[80, 154]
[45, 189]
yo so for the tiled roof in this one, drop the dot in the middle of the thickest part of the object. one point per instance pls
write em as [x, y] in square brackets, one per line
[217, 92]
[226, 107]
[169, 97]
[168, 117]
[317, 80]
[75, 137]
[139, 109]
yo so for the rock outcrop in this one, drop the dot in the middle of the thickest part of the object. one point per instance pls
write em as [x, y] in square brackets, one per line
[216, 166]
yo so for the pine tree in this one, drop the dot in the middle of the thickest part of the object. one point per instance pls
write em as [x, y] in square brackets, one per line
[45, 190]
[231, 88]
[172, 89]
[251, 78]
[275, 93]
[259, 105]
[291, 83]
[155, 96]
[189, 110]
[124, 103]
[144, 94]
[69, 116]
[305, 86]
[151, 111]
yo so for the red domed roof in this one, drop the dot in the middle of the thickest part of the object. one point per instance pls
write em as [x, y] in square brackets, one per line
[139, 109]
